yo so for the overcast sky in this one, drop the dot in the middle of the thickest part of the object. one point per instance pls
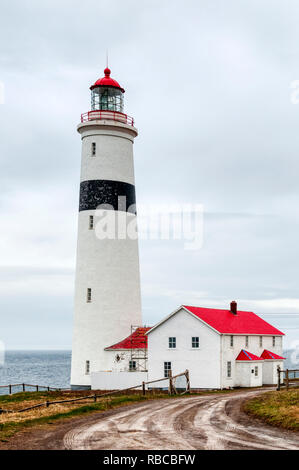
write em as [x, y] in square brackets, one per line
[209, 86]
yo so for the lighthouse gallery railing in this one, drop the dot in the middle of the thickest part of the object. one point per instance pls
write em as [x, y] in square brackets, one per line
[112, 115]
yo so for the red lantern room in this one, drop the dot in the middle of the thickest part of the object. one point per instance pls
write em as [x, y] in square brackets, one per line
[107, 101]
[107, 94]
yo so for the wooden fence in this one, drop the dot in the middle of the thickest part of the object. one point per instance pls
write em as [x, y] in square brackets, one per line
[284, 378]
[37, 388]
[171, 390]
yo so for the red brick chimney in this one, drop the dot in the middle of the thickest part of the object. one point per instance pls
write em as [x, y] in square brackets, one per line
[233, 307]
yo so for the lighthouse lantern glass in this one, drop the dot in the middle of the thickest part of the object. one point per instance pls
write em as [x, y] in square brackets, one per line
[107, 99]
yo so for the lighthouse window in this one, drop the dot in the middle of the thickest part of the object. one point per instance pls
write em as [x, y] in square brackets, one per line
[87, 367]
[172, 342]
[195, 342]
[246, 341]
[231, 341]
[93, 149]
[273, 340]
[261, 341]
[90, 222]
[256, 371]
[88, 294]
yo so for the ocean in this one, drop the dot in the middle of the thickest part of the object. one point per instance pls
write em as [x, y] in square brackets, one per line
[52, 368]
[49, 368]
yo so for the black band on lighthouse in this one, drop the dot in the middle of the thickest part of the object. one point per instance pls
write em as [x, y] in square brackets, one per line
[115, 194]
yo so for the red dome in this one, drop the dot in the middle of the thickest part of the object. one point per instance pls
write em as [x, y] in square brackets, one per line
[107, 81]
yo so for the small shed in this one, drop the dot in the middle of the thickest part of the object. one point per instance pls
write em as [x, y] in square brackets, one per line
[249, 370]
[271, 362]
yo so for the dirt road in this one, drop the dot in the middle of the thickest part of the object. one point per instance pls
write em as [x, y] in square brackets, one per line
[206, 422]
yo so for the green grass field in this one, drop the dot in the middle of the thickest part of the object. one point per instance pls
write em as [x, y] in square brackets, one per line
[276, 408]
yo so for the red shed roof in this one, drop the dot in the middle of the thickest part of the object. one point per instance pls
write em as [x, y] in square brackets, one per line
[244, 323]
[137, 340]
[107, 81]
[247, 356]
[270, 355]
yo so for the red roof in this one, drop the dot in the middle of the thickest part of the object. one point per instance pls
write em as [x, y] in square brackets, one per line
[270, 355]
[247, 356]
[244, 323]
[137, 340]
[107, 81]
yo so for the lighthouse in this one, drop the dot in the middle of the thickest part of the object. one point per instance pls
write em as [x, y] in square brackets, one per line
[107, 284]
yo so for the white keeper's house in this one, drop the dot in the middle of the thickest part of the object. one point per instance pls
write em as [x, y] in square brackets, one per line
[220, 348]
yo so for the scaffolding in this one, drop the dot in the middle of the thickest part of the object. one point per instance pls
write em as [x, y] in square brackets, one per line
[138, 341]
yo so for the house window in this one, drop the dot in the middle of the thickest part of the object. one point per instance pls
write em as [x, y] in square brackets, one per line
[273, 340]
[88, 296]
[195, 341]
[172, 342]
[246, 341]
[132, 365]
[90, 222]
[93, 149]
[256, 371]
[167, 368]
[87, 367]
[231, 341]
[229, 369]
[261, 341]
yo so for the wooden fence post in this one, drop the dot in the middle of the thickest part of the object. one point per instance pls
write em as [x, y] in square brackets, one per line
[23, 386]
[187, 380]
[10, 389]
[170, 388]
[287, 379]
[47, 404]
[95, 397]
[37, 388]
[278, 378]
[143, 388]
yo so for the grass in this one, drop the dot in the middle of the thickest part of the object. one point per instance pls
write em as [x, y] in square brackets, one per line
[276, 408]
[14, 422]
[27, 396]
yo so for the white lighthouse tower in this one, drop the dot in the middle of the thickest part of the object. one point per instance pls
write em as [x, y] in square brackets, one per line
[107, 287]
